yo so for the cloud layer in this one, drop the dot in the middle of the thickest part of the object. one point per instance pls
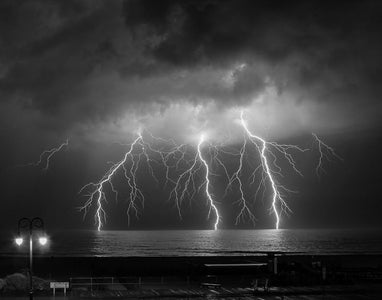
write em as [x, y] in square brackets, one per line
[79, 67]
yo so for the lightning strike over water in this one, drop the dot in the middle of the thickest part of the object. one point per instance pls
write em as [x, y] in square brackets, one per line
[98, 195]
[186, 186]
[172, 158]
[278, 201]
[188, 169]
[207, 185]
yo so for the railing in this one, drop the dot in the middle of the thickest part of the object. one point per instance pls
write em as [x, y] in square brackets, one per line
[133, 282]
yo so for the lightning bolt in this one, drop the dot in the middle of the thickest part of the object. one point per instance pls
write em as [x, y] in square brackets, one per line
[185, 186]
[325, 152]
[207, 184]
[173, 157]
[97, 193]
[183, 167]
[265, 148]
[245, 209]
[46, 156]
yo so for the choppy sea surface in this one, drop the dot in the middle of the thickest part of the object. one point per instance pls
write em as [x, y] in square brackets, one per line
[200, 242]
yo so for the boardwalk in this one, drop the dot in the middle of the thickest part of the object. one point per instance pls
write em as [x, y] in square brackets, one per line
[303, 293]
[369, 292]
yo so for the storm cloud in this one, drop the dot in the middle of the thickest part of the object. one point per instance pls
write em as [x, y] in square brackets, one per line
[78, 63]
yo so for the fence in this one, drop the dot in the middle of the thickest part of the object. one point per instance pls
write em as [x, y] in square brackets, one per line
[128, 282]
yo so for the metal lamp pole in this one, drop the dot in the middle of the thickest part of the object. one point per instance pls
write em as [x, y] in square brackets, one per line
[30, 224]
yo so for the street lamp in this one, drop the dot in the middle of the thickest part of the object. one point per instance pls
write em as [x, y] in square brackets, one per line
[28, 225]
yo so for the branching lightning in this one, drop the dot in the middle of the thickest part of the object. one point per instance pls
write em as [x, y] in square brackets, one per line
[245, 209]
[207, 184]
[46, 155]
[173, 158]
[188, 170]
[325, 152]
[264, 148]
[97, 192]
[185, 186]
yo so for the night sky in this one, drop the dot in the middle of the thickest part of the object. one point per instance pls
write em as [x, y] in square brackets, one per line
[97, 72]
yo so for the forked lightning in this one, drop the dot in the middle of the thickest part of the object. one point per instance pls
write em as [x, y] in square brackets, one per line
[188, 170]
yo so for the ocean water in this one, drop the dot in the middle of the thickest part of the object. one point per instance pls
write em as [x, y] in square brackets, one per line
[200, 242]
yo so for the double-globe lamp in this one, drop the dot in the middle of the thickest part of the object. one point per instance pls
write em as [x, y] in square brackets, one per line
[29, 226]
[42, 240]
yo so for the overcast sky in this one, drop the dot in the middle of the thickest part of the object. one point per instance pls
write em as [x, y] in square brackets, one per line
[97, 72]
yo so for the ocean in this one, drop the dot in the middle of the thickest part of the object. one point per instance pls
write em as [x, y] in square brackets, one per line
[199, 242]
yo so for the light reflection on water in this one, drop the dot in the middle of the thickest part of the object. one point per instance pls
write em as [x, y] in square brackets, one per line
[209, 242]
[232, 242]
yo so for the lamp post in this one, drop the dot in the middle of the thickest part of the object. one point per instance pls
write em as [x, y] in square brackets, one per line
[28, 225]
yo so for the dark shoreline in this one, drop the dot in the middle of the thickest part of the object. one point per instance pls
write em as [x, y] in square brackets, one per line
[203, 276]
[61, 267]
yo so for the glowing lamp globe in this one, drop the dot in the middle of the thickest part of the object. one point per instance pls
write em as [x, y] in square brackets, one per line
[19, 241]
[43, 240]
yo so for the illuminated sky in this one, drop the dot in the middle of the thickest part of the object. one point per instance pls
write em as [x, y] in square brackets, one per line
[97, 72]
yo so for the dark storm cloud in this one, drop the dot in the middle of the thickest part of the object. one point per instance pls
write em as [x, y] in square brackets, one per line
[327, 49]
[193, 30]
[49, 48]
[93, 60]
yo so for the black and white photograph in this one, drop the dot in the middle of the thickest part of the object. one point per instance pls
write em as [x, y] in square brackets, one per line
[191, 149]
